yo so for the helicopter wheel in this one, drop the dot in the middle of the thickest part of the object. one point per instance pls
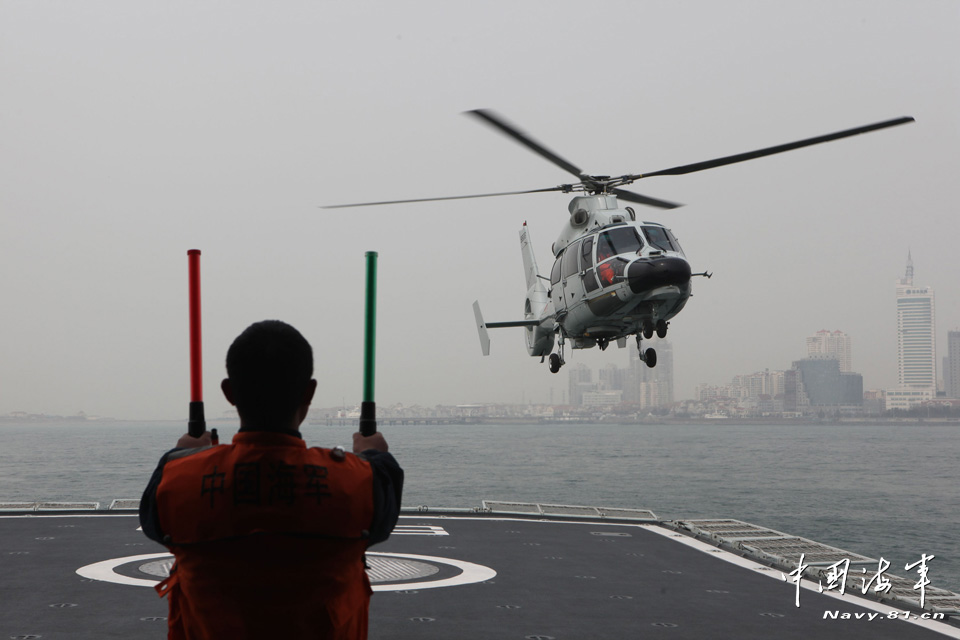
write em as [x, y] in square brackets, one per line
[661, 329]
[603, 343]
[647, 330]
[555, 363]
[650, 357]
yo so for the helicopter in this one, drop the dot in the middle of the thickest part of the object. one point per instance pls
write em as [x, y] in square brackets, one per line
[613, 276]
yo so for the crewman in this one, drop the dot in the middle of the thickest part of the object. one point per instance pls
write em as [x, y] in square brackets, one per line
[268, 535]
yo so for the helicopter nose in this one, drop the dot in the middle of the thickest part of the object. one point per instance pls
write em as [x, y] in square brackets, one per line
[644, 275]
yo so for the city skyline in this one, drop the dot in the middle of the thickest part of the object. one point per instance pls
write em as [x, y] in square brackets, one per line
[824, 343]
[133, 134]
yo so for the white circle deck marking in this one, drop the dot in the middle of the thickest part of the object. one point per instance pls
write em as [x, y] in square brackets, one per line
[470, 572]
[104, 570]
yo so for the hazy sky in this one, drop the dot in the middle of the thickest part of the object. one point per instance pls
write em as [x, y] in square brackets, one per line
[131, 132]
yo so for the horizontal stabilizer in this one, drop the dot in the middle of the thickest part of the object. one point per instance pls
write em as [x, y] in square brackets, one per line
[515, 323]
[483, 326]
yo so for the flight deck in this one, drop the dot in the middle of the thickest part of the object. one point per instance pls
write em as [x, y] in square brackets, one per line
[501, 570]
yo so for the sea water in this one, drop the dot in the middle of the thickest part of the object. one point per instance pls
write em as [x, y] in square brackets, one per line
[883, 490]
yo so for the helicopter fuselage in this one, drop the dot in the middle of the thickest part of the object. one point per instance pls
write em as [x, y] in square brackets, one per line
[614, 275]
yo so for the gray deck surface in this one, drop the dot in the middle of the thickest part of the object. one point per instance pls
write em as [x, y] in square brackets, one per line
[554, 579]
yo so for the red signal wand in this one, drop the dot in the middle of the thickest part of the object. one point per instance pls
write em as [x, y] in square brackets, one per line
[197, 424]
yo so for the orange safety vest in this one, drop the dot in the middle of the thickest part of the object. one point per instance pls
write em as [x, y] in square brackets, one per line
[269, 538]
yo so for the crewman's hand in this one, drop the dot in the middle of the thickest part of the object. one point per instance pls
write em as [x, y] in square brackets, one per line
[187, 441]
[362, 443]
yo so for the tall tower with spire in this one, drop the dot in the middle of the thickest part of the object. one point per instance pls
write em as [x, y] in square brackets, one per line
[908, 275]
[916, 336]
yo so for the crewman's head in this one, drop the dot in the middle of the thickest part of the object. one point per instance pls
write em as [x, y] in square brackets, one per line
[269, 370]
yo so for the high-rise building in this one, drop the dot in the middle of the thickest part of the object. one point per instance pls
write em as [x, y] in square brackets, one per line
[835, 344]
[951, 372]
[916, 334]
[580, 378]
[794, 398]
[761, 383]
[825, 385]
[611, 378]
[650, 387]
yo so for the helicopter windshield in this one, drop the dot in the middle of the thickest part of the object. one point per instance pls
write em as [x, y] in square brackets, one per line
[616, 241]
[660, 238]
[674, 242]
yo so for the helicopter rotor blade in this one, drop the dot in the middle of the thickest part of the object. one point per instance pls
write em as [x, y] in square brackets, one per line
[630, 196]
[499, 123]
[479, 195]
[750, 155]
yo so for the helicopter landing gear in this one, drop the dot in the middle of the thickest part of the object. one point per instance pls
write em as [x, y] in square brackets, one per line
[556, 359]
[662, 328]
[603, 343]
[647, 330]
[649, 356]
[555, 363]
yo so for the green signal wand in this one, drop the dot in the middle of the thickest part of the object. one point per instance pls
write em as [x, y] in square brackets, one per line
[368, 408]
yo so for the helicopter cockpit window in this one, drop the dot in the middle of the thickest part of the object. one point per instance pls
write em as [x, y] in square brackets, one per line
[658, 237]
[555, 273]
[615, 241]
[569, 260]
[586, 253]
[586, 264]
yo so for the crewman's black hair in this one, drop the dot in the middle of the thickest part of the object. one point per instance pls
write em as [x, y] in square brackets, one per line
[269, 366]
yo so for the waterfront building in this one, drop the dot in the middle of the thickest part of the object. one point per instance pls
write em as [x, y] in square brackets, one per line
[907, 398]
[826, 386]
[761, 383]
[951, 369]
[705, 392]
[794, 398]
[874, 402]
[835, 344]
[602, 398]
[916, 342]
